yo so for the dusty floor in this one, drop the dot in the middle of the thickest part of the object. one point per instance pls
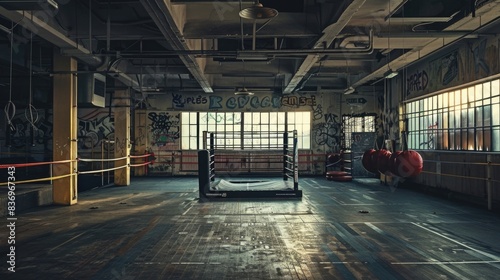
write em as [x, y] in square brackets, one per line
[157, 229]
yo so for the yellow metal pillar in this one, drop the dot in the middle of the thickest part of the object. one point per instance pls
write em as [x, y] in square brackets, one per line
[64, 190]
[140, 139]
[121, 111]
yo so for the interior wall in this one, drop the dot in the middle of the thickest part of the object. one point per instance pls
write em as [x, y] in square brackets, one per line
[465, 62]
[326, 112]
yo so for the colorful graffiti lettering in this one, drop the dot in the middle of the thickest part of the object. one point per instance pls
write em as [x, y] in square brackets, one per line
[240, 102]
[216, 102]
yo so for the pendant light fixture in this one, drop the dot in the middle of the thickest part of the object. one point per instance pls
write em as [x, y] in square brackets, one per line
[258, 11]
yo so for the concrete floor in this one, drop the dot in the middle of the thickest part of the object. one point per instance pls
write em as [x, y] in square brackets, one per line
[157, 229]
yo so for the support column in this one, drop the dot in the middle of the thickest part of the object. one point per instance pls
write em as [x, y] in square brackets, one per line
[140, 140]
[65, 190]
[122, 136]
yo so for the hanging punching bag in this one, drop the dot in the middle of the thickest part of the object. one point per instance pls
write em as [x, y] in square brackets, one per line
[383, 160]
[368, 161]
[408, 164]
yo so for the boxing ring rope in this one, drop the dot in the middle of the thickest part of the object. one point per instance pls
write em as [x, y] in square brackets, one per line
[51, 163]
[30, 164]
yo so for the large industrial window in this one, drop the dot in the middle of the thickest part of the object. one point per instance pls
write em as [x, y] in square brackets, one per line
[462, 119]
[262, 130]
[357, 124]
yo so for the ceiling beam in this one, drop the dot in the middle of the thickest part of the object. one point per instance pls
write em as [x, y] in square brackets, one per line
[162, 15]
[68, 47]
[484, 16]
[329, 34]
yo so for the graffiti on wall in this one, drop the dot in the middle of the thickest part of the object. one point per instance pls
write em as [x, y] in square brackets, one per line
[164, 128]
[228, 118]
[479, 55]
[216, 102]
[93, 128]
[317, 113]
[429, 143]
[449, 68]
[390, 123]
[418, 81]
[327, 133]
[22, 133]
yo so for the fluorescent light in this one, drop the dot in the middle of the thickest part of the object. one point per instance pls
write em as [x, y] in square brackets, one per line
[349, 90]
[390, 74]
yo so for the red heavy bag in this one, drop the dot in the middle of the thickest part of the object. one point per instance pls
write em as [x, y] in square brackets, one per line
[368, 161]
[408, 164]
[383, 160]
[392, 163]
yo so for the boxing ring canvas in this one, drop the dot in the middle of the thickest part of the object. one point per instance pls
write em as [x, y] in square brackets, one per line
[212, 187]
[252, 185]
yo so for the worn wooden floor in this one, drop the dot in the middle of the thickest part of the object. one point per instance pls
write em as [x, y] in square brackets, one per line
[157, 229]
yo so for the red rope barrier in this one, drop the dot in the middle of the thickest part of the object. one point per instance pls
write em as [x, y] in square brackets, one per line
[141, 156]
[4, 166]
[140, 164]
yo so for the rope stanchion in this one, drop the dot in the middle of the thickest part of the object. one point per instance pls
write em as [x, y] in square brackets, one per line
[39, 180]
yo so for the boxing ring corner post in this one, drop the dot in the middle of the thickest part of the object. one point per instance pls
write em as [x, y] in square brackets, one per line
[203, 172]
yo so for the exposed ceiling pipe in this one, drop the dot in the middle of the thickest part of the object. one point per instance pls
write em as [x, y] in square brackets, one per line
[489, 17]
[257, 53]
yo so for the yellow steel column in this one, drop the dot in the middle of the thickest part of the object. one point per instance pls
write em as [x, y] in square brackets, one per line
[121, 111]
[140, 139]
[64, 190]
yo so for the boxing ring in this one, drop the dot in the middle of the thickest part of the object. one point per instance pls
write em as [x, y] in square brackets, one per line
[287, 186]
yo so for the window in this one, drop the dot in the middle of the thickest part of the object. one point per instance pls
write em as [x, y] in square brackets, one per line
[357, 124]
[465, 119]
[261, 130]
